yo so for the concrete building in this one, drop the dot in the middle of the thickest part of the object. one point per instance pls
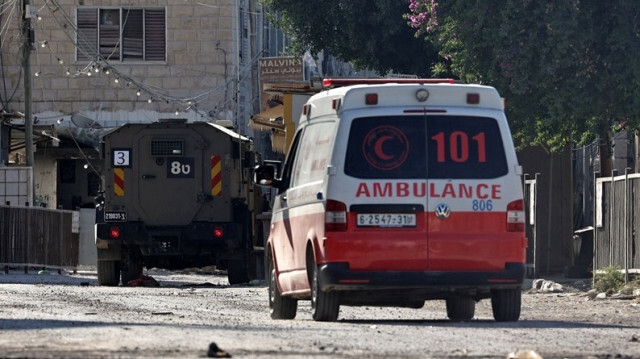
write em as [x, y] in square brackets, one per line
[97, 64]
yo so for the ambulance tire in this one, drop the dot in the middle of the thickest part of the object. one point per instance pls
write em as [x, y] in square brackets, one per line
[108, 273]
[506, 304]
[238, 271]
[460, 309]
[324, 305]
[280, 307]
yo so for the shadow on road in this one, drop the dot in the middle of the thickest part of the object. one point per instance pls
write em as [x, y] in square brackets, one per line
[482, 323]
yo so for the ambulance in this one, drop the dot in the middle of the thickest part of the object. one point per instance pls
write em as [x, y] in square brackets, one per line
[394, 192]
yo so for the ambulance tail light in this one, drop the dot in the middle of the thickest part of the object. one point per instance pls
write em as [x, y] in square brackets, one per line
[306, 110]
[114, 232]
[515, 216]
[335, 216]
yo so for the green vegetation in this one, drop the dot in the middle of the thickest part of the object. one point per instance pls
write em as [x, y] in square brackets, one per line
[566, 68]
[610, 281]
[368, 34]
[569, 70]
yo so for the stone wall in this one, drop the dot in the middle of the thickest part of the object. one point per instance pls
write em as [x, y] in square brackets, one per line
[198, 37]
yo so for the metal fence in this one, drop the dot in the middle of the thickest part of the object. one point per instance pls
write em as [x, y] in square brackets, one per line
[616, 212]
[38, 237]
[530, 228]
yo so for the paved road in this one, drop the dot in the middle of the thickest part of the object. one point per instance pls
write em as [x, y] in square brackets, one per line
[70, 316]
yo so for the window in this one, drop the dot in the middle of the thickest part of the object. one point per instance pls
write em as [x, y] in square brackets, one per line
[93, 184]
[288, 162]
[118, 34]
[395, 147]
[167, 147]
[314, 153]
[67, 171]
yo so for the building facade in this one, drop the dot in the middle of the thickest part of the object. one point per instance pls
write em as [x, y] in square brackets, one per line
[98, 64]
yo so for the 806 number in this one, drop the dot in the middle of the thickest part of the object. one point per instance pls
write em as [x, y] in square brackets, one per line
[482, 205]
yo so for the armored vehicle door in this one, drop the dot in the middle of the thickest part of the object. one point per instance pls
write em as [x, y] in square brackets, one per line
[169, 175]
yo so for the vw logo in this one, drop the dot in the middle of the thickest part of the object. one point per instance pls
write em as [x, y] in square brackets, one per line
[442, 211]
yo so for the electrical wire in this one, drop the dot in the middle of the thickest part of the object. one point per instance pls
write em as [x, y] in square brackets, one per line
[5, 26]
[84, 156]
[195, 101]
[6, 100]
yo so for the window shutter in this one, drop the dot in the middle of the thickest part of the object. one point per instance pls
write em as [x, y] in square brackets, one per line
[87, 37]
[155, 37]
[132, 35]
[110, 34]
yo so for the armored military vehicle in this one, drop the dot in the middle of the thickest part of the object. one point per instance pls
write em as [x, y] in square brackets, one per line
[176, 195]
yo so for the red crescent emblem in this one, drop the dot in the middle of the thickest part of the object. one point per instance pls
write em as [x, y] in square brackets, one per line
[378, 148]
[385, 147]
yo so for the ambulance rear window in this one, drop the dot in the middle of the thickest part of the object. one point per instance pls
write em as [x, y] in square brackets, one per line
[396, 147]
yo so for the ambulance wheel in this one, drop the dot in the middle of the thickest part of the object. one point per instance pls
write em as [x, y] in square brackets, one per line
[505, 304]
[280, 307]
[108, 273]
[460, 309]
[324, 305]
[237, 271]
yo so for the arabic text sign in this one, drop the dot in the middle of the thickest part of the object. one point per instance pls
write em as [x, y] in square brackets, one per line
[274, 69]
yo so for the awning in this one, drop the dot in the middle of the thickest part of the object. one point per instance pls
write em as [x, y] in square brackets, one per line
[41, 133]
[268, 119]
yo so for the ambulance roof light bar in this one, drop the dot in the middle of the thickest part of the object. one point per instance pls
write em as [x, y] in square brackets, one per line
[330, 83]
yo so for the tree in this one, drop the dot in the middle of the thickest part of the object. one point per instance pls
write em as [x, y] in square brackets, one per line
[369, 34]
[568, 69]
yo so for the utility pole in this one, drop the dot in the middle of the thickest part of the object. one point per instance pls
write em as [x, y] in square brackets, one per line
[27, 46]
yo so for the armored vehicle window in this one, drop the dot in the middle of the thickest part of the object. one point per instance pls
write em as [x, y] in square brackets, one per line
[167, 148]
[402, 147]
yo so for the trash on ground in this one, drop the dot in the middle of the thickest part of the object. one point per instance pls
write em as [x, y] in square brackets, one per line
[143, 281]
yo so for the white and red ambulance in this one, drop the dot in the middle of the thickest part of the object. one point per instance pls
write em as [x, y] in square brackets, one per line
[394, 192]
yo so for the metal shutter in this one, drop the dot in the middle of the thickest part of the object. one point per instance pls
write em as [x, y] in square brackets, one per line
[110, 34]
[87, 37]
[155, 35]
[132, 35]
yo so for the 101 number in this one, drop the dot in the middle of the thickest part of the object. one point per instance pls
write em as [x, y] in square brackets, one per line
[459, 146]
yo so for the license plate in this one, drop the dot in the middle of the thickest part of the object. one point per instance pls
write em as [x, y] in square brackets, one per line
[115, 216]
[386, 220]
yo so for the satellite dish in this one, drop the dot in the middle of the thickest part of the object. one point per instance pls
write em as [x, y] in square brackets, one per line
[84, 122]
[222, 115]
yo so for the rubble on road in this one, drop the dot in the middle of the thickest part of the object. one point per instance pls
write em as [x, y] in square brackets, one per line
[547, 286]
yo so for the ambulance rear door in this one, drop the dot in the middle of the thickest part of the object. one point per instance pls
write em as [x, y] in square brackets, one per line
[470, 186]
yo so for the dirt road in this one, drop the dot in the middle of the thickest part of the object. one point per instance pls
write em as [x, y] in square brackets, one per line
[70, 316]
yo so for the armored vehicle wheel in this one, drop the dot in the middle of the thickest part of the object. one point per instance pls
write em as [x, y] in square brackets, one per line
[281, 307]
[108, 273]
[131, 269]
[131, 264]
[237, 271]
[505, 304]
[460, 309]
[324, 305]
